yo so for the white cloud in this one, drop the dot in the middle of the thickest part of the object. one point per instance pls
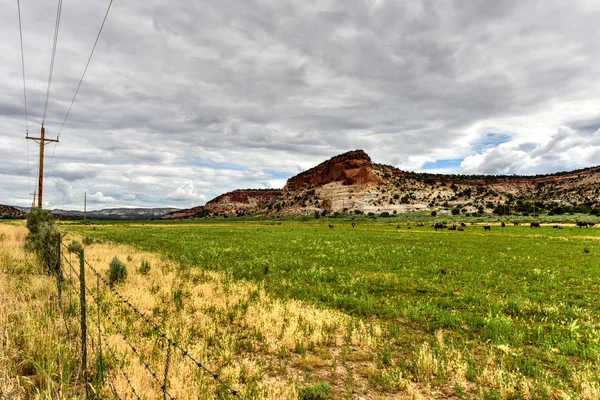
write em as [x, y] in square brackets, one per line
[183, 93]
[566, 149]
[186, 192]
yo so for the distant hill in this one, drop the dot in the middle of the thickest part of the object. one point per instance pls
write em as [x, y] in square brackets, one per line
[110, 213]
[116, 213]
[351, 182]
[234, 203]
[10, 212]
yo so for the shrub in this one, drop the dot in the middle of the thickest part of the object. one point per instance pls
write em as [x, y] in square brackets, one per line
[117, 272]
[144, 267]
[320, 391]
[183, 263]
[42, 238]
[433, 213]
[88, 240]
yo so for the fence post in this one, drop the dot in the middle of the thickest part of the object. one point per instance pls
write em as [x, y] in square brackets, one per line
[99, 332]
[83, 318]
[167, 371]
[59, 277]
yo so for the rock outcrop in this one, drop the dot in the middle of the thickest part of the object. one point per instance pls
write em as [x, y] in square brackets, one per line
[351, 182]
[351, 168]
[10, 212]
[233, 203]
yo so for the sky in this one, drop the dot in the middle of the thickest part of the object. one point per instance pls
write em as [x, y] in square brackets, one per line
[187, 99]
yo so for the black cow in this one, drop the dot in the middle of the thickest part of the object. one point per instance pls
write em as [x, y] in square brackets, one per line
[331, 226]
[452, 228]
[515, 223]
[556, 227]
[590, 224]
[353, 224]
[582, 224]
[503, 225]
[534, 225]
[463, 224]
[461, 229]
[438, 226]
[487, 228]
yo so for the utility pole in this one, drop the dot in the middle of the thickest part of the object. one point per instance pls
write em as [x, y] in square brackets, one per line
[84, 207]
[42, 142]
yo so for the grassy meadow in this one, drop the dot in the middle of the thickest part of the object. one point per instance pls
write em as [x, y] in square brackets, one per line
[297, 310]
[511, 313]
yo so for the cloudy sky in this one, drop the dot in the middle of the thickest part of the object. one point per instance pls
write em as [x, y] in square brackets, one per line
[187, 99]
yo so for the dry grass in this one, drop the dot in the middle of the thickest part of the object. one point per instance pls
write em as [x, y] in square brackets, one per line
[36, 357]
[266, 347]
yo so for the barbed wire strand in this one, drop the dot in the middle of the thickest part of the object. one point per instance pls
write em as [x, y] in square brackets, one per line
[119, 361]
[126, 340]
[185, 353]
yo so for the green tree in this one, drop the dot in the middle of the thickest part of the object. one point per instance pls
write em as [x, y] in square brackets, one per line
[42, 238]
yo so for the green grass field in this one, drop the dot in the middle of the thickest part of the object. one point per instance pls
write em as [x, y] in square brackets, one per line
[532, 293]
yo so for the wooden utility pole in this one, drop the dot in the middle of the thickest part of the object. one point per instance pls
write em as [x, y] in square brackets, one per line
[84, 207]
[42, 142]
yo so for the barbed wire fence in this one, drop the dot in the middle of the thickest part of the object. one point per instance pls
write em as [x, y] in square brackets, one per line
[72, 280]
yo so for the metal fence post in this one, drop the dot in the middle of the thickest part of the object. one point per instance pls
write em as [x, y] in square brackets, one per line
[83, 318]
[59, 277]
[99, 332]
[165, 382]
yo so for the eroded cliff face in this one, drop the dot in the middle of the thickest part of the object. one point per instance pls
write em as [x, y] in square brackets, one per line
[351, 181]
[239, 201]
[351, 168]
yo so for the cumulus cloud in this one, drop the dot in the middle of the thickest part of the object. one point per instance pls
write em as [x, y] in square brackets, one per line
[186, 192]
[99, 197]
[567, 149]
[177, 91]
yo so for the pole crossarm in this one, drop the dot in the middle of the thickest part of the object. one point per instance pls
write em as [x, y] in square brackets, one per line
[42, 142]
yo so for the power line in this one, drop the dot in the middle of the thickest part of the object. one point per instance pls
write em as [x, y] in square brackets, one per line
[24, 94]
[56, 28]
[80, 81]
[23, 65]
[85, 69]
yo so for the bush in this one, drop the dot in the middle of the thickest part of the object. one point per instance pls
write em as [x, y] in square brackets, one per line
[88, 240]
[42, 238]
[117, 272]
[433, 213]
[320, 391]
[144, 267]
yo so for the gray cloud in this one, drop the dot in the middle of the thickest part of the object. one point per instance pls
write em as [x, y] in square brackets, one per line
[188, 99]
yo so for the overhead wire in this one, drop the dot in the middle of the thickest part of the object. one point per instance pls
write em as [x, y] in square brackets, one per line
[24, 93]
[53, 57]
[80, 82]
[86, 67]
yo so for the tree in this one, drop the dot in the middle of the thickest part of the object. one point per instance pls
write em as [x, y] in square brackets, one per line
[42, 238]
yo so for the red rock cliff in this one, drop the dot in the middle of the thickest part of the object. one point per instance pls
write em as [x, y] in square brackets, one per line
[353, 167]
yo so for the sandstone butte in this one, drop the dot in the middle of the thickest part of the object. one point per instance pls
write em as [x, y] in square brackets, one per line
[351, 181]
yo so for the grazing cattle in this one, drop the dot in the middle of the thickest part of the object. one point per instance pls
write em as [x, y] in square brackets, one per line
[353, 224]
[556, 227]
[331, 226]
[590, 224]
[438, 226]
[461, 229]
[582, 224]
[487, 228]
[463, 224]
[515, 223]
[452, 228]
[503, 225]
[409, 227]
[534, 225]
[420, 224]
